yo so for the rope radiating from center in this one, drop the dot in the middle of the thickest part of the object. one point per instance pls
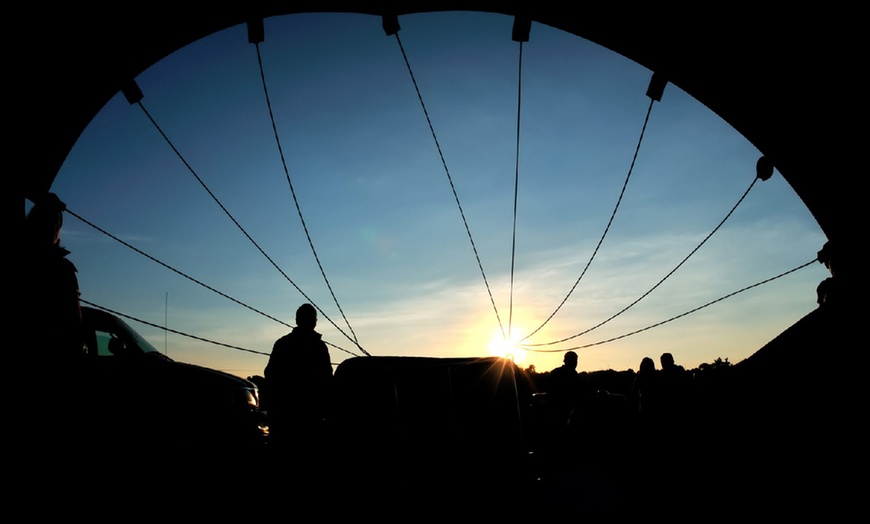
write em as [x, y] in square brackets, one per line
[232, 218]
[164, 328]
[293, 192]
[516, 191]
[182, 333]
[176, 271]
[606, 229]
[188, 277]
[671, 272]
[452, 186]
[657, 324]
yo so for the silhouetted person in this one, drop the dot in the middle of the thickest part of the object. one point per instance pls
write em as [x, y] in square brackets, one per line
[568, 397]
[298, 380]
[675, 406]
[644, 392]
[49, 306]
[668, 363]
[674, 386]
[563, 390]
[840, 289]
[52, 343]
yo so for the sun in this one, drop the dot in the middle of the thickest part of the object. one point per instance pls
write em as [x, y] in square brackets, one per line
[499, 346]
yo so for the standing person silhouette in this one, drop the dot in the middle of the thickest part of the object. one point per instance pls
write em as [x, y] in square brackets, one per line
[840, 289]
[567, 396]
[644, 392]
[52, 346]
[674, 387]
[49, 306]
[563, 389]
[298, 380]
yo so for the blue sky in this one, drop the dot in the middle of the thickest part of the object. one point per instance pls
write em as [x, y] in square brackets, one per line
[379, 207]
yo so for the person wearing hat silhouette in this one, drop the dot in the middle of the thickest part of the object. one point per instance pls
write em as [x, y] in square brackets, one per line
[836, 288]
[50, 306]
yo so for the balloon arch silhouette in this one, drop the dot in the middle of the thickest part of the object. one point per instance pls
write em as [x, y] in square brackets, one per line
[786, 91]
[788, 88]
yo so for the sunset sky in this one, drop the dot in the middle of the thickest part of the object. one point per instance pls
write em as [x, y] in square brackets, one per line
[376, 191]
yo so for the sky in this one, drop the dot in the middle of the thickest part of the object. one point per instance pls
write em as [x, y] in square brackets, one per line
[441, 220]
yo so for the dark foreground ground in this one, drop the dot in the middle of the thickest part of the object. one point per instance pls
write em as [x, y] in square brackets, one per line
[782, 438]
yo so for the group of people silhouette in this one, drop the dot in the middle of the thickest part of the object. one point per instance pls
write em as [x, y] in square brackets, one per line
[659, 393]
[589, 432]
[654, 394]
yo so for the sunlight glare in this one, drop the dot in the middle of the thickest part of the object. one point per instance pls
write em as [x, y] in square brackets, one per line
[499, 346]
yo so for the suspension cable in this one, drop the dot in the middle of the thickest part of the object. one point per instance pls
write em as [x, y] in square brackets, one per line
[170, 330]
[516, 190]
[176, 271]
[671, 272]
[606, 229]
[531, 347]
[248, 236]
[293, 192]
[195, 281]
[452, 186]
[164, 328]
